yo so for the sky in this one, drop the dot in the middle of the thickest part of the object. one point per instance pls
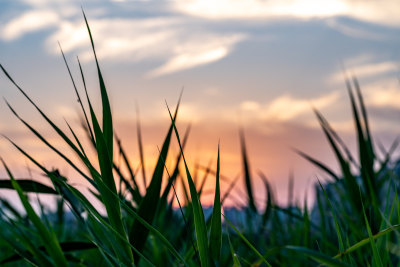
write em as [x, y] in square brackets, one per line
[257, 64]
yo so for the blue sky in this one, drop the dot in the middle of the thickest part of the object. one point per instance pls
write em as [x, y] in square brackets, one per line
[258, 64]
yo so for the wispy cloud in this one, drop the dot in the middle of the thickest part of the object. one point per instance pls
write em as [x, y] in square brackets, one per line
[372, 11]
[118, 39]
[206, 49]
[29, 21]
[367, 70]
[352, 31]
[162, 39]
[383, 93]
[287, 108]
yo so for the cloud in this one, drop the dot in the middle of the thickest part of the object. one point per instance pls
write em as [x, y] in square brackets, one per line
[287, 108]
[256, 9]
[117, 39]
[162, 40]
[135, 40]
[29, 21]
[198, 52]
[250, 105]
[383, 93]
[386, 12]
[367, 70]
[352, 31]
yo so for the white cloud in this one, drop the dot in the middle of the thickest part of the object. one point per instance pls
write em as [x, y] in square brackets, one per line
[117, 39]
[145, 39]
[367, 70]
[250, 105]
[383, 93]
[354, 31]
[198, 51]
[29, 21]
[189, 60]
[382, 12]
[256, 9]
[286, 108]
[165, 39]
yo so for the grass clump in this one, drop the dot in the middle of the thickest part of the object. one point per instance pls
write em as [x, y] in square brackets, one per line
[354, 221]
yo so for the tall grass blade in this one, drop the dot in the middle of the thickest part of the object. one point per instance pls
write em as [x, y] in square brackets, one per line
[48, 237]
[235, 258]
[376, 257]
[28, 186]
[317, 256]
[269, 202]
[247, 242]
[76, 91]
[140, 143]
[107, 118]
[199, 221]
[318, 164]
[148, 206]
[246, 171]
[216, 226]
[367, 240]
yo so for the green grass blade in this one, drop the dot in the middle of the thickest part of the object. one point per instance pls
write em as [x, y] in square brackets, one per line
[216, 226]
[148, 206]
[65, 246]
[205, 176]
[318, 164]
[76, 91]
[49, 239]
[317, 256]
[235, 258]
[140, 144]
[108, 190]
[367, 240]
[68, 141]
[246, 170]
[199, 221]
[58, 130]
[364, 115]
[247, 242]
[126, 162]
[87, 125]
[336, 221]
[28, 186]
[269, 204]
[375, 253]
[107, 118]
[350, 181]
[175, 173]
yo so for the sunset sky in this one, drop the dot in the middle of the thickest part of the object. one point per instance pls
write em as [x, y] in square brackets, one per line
[261, 65]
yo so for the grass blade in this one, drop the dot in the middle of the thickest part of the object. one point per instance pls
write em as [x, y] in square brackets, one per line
[199, 221]
[107, 118]
[49, 239]
[148, 206]
[246, 170]
[317, 256]
[247, 242]
[216, 226]
[28, 186]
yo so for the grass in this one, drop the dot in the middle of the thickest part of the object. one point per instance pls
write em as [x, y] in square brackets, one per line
[355, 220]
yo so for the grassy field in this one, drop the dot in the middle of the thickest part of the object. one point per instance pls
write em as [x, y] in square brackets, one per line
[354, 221]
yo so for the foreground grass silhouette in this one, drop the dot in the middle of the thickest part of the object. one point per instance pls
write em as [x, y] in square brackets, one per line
[354, 222]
